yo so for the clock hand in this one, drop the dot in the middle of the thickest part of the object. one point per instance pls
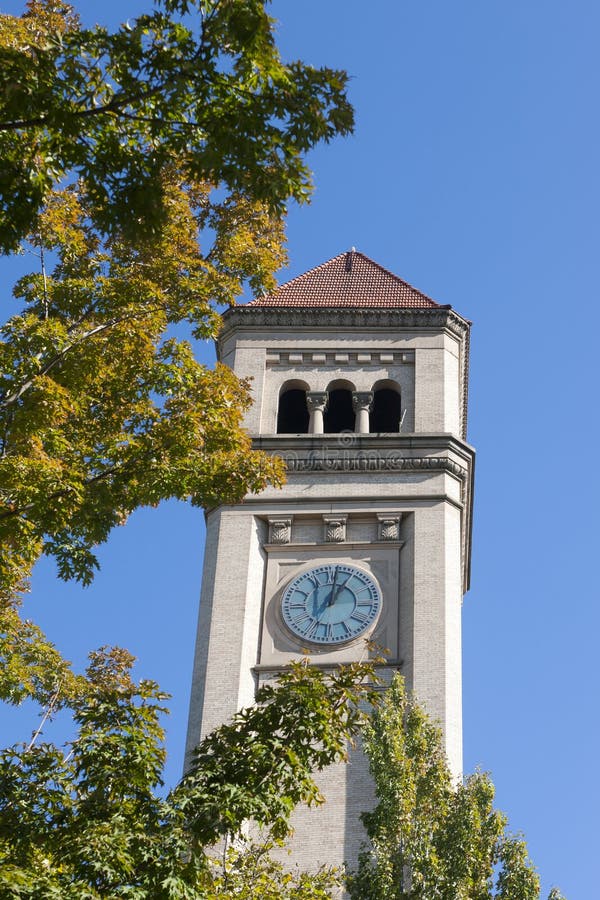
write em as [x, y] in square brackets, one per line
[316, 601]
[335, 589]
[319, 610]
[319, 606]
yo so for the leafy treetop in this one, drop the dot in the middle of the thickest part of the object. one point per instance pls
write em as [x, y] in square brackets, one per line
[89, 820]
[102, 410]
[149, 170]
[430, 838]
[197, 81]
[186, 134]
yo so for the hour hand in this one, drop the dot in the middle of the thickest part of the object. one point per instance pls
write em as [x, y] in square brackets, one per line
[334, 590]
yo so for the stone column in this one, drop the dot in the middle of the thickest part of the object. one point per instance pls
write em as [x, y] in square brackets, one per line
[316, 402]
[362, 403]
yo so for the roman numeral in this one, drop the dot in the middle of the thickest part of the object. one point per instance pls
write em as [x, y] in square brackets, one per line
[312, 629]
[330, 575]
[359, 616]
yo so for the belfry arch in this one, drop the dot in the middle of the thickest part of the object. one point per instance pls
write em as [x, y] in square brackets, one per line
[386, 414]
[339, 415]
[292, 411]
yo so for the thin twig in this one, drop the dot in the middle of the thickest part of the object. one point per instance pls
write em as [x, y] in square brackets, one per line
[11, 399]
[49, 710]
[45, 279]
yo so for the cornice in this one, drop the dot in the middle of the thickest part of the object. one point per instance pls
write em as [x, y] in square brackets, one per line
[337, 317]
[353, 444]
[349, 453]
[464, 364]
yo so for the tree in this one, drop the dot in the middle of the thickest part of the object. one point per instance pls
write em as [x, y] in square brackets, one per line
[431, 839]
[249, 872]
[186, 133]
[197, 81]
[186, 139]
[149, 171]
[89, 820]
[101, 409]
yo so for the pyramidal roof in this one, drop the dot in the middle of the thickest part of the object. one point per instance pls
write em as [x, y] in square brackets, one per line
[350, 279]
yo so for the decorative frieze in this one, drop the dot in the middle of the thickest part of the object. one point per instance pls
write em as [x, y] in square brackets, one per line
[301, 531]
[370, 463]
[280, 531]
[314, 358]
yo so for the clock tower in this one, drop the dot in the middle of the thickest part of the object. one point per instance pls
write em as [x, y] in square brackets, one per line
[360, 384]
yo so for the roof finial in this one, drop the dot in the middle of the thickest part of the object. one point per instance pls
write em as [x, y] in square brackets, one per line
[352, 249]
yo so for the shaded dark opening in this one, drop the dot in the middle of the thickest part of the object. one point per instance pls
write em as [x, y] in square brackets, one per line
[339, 415]
[292, 415]
[385, 415]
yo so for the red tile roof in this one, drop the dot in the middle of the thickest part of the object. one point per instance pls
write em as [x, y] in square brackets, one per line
[350, 279]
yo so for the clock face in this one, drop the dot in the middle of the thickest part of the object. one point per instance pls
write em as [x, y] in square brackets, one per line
[331, 604]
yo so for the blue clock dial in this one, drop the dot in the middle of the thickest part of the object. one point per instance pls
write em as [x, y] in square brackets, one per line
[331, 604]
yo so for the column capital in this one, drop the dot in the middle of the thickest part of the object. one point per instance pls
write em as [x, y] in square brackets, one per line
[362, 400]
[317, 400]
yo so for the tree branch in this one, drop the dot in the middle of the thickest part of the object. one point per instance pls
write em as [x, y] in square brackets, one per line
[116, 106]
[16, 395]
[22, 510]
[11, 399]
[78, 114]
[48, 712]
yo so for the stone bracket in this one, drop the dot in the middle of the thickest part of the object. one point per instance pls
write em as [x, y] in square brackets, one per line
[389, 526]
[335, 528]
[280, 531]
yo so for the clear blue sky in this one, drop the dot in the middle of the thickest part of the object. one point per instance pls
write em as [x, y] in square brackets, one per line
[473, 174]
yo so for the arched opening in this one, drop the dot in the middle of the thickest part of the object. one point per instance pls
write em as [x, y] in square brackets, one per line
[339, 415]
[387, 408]
[292, 412]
